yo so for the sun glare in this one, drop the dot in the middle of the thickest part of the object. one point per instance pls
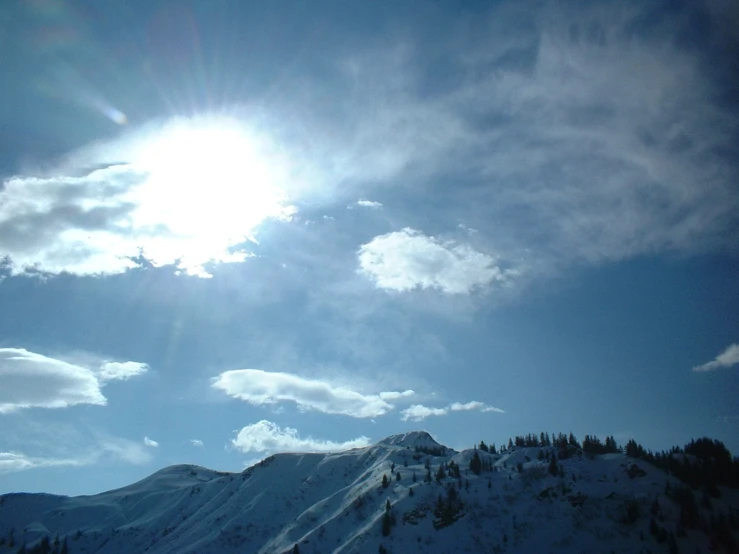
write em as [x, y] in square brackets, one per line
[208, 185]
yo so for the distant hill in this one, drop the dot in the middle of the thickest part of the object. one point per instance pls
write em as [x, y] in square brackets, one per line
[406, 494]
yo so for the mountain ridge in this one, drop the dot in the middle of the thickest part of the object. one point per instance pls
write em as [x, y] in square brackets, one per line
[406, 493]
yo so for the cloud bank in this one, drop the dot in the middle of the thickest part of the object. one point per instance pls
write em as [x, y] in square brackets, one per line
[31, 380]
[407, 259]
[266, 436]
[728, 358]
[261, 388]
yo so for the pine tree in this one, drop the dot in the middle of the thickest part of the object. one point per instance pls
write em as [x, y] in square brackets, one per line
[65, 547]
[476, 464]
[553, 466]
[385, 481]
[397, 476]
[386, 524]
[296, 549]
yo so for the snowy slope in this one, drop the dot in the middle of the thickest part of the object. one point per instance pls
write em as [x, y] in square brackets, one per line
[337, 503]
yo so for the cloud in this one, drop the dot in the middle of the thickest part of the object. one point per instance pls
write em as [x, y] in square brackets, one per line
[396, 395]
[418, 412]
[121, 370]
[106, 449]
[150, 442]
[106, 220]
[120, 449]
[33, 380]
[408, 259]
[266, 436]
[474, 405]
[369, 204]
[196, 442]
[586, 134]
[727, 358]
[260, 388]
[16, 461]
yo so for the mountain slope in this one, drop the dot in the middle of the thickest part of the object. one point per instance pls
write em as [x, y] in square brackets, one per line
[339, 503]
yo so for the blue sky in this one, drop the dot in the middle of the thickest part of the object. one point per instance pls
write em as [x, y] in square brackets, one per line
[231, 229]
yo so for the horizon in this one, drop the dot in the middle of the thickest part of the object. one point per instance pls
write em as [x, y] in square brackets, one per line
[228, 230]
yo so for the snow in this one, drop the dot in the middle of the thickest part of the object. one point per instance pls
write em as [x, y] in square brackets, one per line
[336, 503]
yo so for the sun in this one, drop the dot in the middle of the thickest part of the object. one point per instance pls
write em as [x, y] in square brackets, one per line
[208, 184]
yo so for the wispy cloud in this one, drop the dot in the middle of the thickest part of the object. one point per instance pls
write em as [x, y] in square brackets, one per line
[17, 461]
[106, 449]
[419, 412]
[150, 442]
[32, 380]
[260, 387]
[727, 358]
[266, 436]
[583, 135]
[197, 443]
[408, 259]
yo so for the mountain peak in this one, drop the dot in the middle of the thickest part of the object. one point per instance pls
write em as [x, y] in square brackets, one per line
[412, 439]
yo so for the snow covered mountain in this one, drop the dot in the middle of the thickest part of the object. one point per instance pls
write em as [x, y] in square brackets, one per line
[406, 493]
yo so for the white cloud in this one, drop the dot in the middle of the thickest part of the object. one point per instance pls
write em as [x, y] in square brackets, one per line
[396, 395]
[103, 221]
[727, 358]
[33, 380]
[150, 442]
[266, 436]
[474, 405]
[369, 203]
[264, 387]
[418, 412]
[408, 259]
[196, 442]
[121, 370]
